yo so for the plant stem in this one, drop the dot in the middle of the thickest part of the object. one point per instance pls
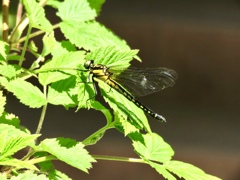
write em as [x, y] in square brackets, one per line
[44, 109]
[116, 158]
[36, 33]
[29, 154]
[43, 2]
[98, 133]
[25, 46]
[56, 69]
[18, 29]
[42, 159]
[5, 27]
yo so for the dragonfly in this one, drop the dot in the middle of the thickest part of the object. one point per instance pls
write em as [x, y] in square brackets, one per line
[133, 82]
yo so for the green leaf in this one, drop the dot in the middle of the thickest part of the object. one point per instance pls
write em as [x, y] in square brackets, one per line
[68, 151]
[2, 103]
[85, 91]
[47, 166]
[188, 171]
[11, 145]
[112, 56]
[36, 15]
[162, 170]
[125, 125]
[98, 106]
[91, 35]
[57, 175]
[61, 66]
[62, 48]
[14, 144]
[9, 71]
[3, 81]
[76, 11]
[86, 96]
[96, 4]
[32, 47]
[11, 131]
[18, 164]
[153, 148]
[13, 57]
[27, 93]
[27, 175]
[48, 43]
[4, 50]
[59, 93]
[36, 63]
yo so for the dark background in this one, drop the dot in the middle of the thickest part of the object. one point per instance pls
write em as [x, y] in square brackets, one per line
[200, 40]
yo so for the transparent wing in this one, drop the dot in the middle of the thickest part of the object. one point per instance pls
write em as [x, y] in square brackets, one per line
[143, 81]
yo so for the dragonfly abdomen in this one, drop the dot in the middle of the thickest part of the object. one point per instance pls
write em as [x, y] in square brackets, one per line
[122, 91]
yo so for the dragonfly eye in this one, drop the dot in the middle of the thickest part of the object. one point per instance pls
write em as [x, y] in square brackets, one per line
[88, 64]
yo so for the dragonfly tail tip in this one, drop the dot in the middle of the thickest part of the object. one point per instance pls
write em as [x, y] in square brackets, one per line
[160, 118]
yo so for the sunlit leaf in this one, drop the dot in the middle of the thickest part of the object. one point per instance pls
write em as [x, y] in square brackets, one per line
[68, 151]
[27, 93]
[188, 171]
[91, 35]
[153, 148]
[36, 15]
[76, 11]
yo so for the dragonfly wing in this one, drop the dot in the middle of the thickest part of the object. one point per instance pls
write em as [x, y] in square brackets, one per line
[144, 81]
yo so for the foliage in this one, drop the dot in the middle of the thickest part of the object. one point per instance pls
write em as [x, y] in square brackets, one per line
[58, 67]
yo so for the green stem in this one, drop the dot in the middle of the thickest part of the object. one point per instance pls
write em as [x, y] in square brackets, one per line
[40, 123]
[116, 158]
[36, 33]
[98, 133]
[44, 109]
[17, 31]
[28, 155]
[42, 159]
[25, 46]
[29, 73]
[55, 69]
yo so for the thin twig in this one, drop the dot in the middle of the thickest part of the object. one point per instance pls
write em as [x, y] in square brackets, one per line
[42, 117]
[25, 46]
[115, 158]
[36, 33]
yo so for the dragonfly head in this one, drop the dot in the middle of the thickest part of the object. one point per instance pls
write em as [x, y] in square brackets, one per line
[88, 64]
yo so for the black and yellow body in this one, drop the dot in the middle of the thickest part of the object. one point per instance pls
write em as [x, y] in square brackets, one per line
[102, 72]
